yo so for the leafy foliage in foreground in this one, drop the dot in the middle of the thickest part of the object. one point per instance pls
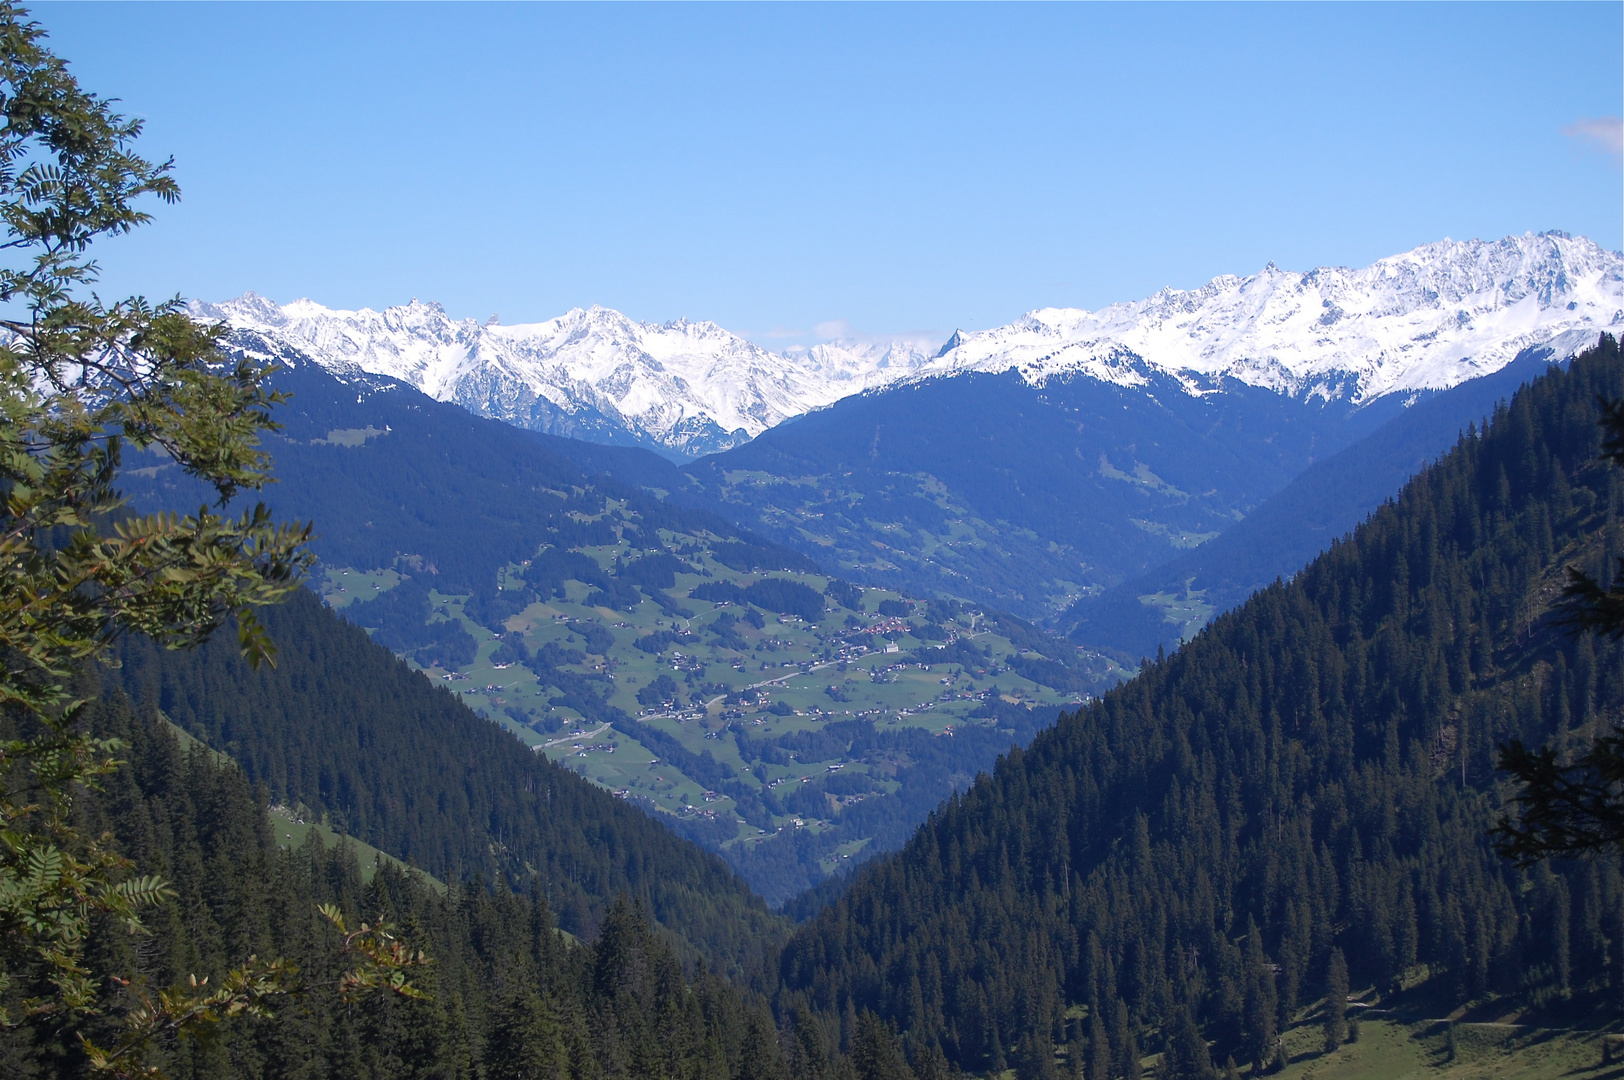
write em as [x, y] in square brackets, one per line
[79, 380]
[1314, 771]
[507, 995]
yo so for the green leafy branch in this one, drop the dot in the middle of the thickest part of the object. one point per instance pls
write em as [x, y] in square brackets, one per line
[80, 379]
[381, 965]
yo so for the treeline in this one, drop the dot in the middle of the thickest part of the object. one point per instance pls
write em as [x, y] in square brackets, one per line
[510, 997]
[351, 732]
[1314, 771]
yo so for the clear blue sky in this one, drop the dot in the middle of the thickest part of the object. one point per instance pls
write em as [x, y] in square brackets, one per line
[776, 168]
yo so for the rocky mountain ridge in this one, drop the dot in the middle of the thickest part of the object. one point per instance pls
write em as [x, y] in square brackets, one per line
[1428, 319]
[685, 388]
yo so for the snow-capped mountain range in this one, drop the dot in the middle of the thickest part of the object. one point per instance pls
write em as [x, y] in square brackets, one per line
[1424, 320]
[1428, 319]
[593, 373]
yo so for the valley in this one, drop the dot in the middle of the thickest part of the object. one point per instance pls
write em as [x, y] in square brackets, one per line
[856, 750]
[742, 707]
[800, 723]
[1226, 683]
[925, 488]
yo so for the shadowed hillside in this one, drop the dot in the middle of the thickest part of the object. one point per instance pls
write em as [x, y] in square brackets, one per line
[1314, 771]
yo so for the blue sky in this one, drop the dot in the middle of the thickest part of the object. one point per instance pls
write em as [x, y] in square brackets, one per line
[792, 170]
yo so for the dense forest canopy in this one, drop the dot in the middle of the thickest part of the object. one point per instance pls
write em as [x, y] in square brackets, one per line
[353, 734]
[1314, 771]
[1186, 861]
[1296, 805]
[509, 996]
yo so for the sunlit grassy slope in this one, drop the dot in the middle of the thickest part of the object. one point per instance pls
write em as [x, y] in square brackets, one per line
[293, 831]
[1389, 1049]
[1398, 1051]
[786, 675]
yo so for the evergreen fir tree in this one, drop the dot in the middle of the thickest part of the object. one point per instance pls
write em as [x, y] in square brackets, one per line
[1099, 1049]
[1258, 1035]
[1336, 1001]
[1186, 1056]
[876, 1052]
[524, 1043]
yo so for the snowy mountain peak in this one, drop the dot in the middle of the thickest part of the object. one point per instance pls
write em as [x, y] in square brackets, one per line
[684, 386]
[1425, 319]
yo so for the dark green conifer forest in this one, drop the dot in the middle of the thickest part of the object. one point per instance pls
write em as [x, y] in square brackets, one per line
[351, 733]
[510, 996]
[1314, 772]
[1302, 798]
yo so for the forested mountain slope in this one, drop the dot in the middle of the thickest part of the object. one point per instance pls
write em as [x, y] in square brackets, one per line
[509, 996]
[390, 474]
[1315, 770]
[351, 733]
[1024, 497]
[1330, 497]
[1068, 500]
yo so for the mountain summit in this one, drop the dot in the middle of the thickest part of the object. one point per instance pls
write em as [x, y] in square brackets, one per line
[1424, 320]
[1428, 319]
[592, 373]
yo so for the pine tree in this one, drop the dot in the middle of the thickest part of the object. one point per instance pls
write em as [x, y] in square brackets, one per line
[1126, 1045]
[761, 1059]
[1258, 1034]
[876, 1053]
[1186, 1057]
[1099, 1048]
[1036, 1058]
[524, 1043]
[809, 1057]
[1336, 1001]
